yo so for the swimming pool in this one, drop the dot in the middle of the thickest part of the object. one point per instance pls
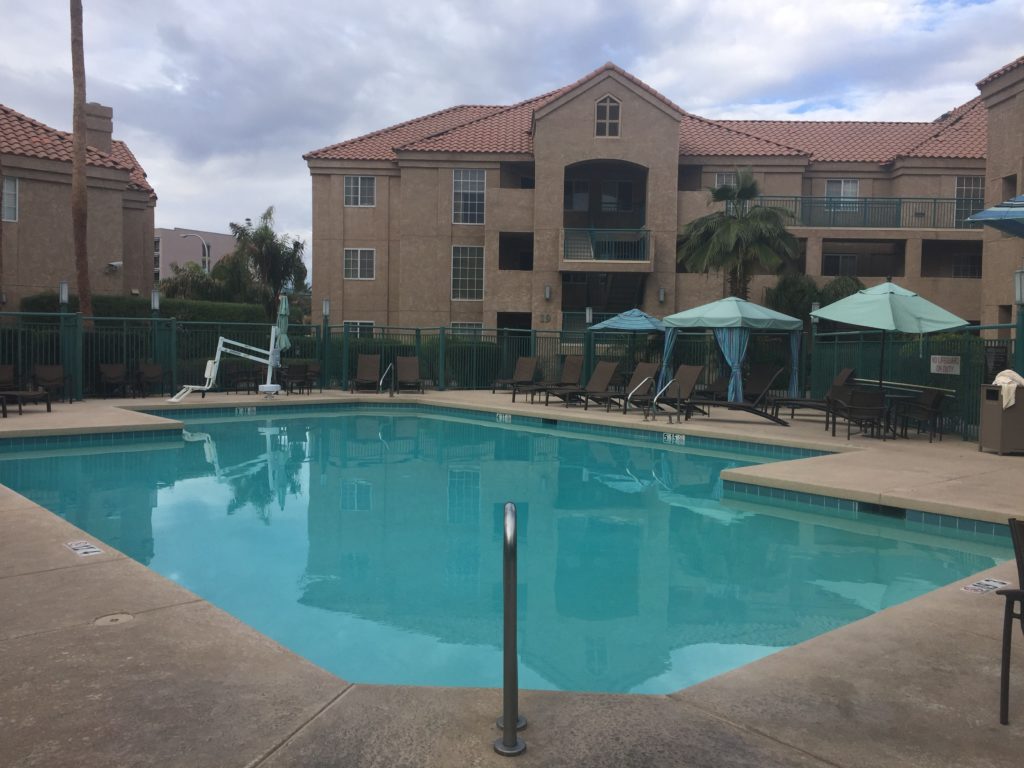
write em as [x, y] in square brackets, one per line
[370, 543]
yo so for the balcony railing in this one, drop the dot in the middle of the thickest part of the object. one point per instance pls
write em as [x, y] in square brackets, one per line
[606, 244]
[879, 212]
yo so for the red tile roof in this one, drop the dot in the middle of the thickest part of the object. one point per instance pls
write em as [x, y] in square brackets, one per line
[508, 130]
[21, 135]
[1001, 71]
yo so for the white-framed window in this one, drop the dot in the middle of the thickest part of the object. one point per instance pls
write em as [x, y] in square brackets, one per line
[725, 179]
[606, 124]
[10, 209]
[616, 196]
[359, 263]
[360, 191]
[361, 328]
[842, 188]
[577, 195]
[468, 186]
[970, 187]
[467, 272]
[473, 330]
[356, 496]
[156, 260]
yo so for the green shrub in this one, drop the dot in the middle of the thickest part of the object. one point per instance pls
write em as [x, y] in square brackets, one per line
[136, 306]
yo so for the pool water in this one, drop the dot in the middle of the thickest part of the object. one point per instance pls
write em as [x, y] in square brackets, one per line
[370, 543]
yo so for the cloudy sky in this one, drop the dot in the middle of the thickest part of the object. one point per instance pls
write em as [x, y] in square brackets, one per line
[219, 100]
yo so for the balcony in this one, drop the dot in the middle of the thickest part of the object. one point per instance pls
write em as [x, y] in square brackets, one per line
[879, 212]
[615, 245]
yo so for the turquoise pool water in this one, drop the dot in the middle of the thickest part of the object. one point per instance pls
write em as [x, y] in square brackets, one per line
[370, 543]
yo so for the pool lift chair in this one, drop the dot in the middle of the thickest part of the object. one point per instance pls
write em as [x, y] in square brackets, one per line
[268, 357]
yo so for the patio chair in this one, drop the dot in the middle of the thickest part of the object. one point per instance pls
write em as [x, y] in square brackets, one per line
[367, 373]
[1014, 599]
[313, 378]
[838, 390]
[572, 369]
[599, 381]
[524, 373]
[925, 412]
[8, 380]
[407, 374]
[676, 393]
[148, 377]
[113, 377]
[641, 383]
[293, 378]
[755, 401]
[53, 380]
[863, 408]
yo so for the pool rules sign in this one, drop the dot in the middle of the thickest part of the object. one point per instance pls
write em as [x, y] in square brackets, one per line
[949, 364]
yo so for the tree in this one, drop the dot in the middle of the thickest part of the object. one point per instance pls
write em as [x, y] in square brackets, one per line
[191, 281]
[79, 195]
[839, 288]
[276, 260]
[738, 239]
[793, 295]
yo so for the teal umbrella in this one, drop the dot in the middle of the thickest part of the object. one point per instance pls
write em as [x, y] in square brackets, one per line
[634, 320]
[1006, 217]
[888, 307]
[283, 342]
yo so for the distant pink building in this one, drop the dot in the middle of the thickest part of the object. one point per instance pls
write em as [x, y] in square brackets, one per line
[180, 245]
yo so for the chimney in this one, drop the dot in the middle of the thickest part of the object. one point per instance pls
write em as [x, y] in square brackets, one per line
[99, 125]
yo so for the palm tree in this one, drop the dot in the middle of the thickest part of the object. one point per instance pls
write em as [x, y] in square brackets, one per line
[275, 259]
[737, 239]
[79, 197]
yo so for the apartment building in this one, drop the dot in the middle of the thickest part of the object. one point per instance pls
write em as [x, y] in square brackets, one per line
[180, 245]
[524, 216]
[38, 251]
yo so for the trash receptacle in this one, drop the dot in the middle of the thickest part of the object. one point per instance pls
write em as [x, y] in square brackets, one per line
[1001, 429]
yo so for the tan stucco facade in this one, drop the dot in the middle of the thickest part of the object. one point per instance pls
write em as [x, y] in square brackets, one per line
[411, 232]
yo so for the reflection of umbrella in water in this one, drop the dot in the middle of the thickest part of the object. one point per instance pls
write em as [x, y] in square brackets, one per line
[888, 307]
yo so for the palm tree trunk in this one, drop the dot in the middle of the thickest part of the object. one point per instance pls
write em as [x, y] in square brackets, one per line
[79, 194]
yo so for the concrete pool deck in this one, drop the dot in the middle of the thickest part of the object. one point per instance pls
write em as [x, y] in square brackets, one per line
[105, 662]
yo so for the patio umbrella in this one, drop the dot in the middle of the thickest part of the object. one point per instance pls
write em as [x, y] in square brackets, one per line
[1006, 217]
[634, 320]
[732, 319]
[283, 342]
[888, 307]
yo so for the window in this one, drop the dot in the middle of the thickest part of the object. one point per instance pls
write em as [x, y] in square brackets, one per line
[360, 191]
[842, 188]
[156, 260]
[467, 272]
[10, 210]
[359, 263]
[616, 196]
[472, 330]
[725, 179]
[970, 198]
[515, 251]
[361, 328]
[577, 195]
[356, 496]
[468, 196]
[607, 118]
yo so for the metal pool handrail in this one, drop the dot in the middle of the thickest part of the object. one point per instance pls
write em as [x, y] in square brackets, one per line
[510, 745]
[380, 384]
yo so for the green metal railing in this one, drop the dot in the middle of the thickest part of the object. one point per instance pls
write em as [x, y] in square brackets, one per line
[606, 244]
[878, 212]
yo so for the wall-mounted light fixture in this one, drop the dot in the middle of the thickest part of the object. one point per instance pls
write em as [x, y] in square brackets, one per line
[661, 295]
[62, 295]
[547, 293]
[1018, 286]
[325, 308]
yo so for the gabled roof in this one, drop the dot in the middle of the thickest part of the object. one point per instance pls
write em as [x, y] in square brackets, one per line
[960, 133]
[22, 136]
[1001, 71]
[706, 138]
[608, 68]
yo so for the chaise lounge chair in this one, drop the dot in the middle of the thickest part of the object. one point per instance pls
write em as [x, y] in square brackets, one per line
[367, 371]
[676, 393]
[407, 374]
[1014, 599]
[524, 374]
[755, 402]
[572, 369]
[641, 384]
[838, 390]
[599, 381]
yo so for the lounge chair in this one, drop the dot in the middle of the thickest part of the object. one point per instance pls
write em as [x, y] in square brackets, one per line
[863, 408]
[925, 412]
[148, 377]
[113, 377]
[572, 369]
[837, 390]
[676, 393]
[524, 373]
[367, 373]
[641, 383]
[598, 383]
[1014, 599]
[52, 379]
[717, 390]
[755, 402]
[407, 374]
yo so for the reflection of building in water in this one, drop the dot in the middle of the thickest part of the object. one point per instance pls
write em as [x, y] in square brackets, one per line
[677, 569]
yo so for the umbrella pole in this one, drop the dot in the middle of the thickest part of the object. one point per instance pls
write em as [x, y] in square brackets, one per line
[881, 362]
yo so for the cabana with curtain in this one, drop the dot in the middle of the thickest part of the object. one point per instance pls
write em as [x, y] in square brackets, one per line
[732, 320]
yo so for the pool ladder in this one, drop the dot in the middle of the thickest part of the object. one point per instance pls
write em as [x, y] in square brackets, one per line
[510, 722]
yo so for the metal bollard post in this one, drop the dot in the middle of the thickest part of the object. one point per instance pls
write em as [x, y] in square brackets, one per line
[510, 722]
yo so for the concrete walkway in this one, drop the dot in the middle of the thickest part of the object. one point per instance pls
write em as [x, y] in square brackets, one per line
[103, 662]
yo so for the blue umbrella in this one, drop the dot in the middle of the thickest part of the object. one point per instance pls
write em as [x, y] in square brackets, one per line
[1006, 217]
[634, 320]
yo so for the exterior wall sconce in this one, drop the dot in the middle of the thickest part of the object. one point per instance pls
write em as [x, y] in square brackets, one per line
[1018, 286]
[661, 295]
[547, 293]
[62, 294]
[325, 308]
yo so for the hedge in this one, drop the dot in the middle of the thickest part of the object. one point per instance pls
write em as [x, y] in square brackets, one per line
[136, 306]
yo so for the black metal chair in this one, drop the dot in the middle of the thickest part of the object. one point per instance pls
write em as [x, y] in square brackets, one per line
[1014, 600]
[925, 412]
[863, 408]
